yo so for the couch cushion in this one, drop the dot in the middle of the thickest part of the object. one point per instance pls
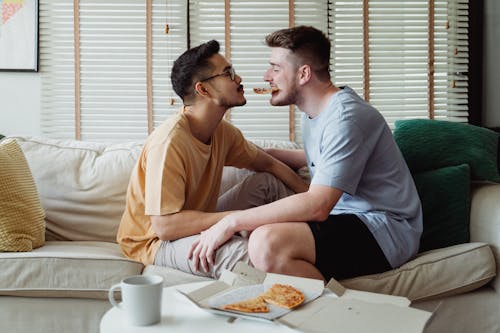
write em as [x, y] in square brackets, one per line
[65, 269]
[430, 144]
[82, 185]
[51, 315]
[436, 273]
[472, 312]
[22, 224]
[445, 196]
[485, 221]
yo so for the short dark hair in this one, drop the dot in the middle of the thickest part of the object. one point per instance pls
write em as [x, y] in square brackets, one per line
[190, 67]
[309, 46]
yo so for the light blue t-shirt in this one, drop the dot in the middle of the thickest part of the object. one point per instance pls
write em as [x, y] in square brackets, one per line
[350, 147]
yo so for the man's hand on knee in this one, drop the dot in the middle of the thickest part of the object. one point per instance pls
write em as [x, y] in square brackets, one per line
[202, 251]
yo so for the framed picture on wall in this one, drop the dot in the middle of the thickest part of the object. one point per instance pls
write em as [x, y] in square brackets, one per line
[19, 35]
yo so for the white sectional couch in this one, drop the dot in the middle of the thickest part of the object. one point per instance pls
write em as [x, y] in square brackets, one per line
[62, 286]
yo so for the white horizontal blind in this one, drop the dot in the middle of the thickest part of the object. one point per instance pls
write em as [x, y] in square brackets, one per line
[346, 34]
[455, 105]
[400, 56]
[112, 69]
[206, 22]
[170, 15]
[112, 73]
[57, 116]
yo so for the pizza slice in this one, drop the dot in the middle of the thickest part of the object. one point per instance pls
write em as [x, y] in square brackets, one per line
[284, 296]
[253, 305]
[264, 90]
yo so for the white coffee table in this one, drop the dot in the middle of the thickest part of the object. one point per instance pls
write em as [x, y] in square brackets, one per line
[180, 315]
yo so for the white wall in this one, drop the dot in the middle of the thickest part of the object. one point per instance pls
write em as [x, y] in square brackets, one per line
[19, 103]
[491, 83]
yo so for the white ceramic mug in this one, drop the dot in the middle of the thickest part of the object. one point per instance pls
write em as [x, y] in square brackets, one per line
[141, 299]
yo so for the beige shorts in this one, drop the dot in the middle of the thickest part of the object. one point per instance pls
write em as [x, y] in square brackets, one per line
[175, 254]
[255, 190]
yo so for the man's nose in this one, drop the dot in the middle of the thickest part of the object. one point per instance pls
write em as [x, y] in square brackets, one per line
[267, 76]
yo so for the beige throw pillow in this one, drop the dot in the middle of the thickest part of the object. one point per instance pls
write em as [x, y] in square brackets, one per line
[22, 224]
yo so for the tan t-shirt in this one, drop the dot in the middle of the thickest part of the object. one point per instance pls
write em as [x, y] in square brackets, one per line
[175, 172]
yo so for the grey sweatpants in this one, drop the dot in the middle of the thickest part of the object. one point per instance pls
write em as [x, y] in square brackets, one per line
[256, 190]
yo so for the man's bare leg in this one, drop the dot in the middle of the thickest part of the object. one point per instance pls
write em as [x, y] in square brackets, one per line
[285, 248]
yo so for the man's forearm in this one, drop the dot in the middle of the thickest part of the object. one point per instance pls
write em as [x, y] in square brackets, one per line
[184, 223]
[294, 158]
[313, 205]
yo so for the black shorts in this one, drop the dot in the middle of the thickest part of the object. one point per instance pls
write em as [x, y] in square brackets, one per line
[346, 248]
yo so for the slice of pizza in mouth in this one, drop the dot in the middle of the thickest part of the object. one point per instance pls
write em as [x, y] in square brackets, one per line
[265, 90]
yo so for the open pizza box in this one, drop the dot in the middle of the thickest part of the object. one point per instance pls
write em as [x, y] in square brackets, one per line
[325, 309]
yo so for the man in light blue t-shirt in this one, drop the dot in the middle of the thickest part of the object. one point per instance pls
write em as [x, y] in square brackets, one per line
[361, 214]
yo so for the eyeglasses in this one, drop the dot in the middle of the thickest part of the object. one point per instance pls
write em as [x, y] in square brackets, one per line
[227, 73]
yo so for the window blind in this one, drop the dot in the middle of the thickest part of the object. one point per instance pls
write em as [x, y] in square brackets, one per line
[113, 66]
[56, 47]
[170, 35]
[454, 103]
[113, 69]
[407, 58]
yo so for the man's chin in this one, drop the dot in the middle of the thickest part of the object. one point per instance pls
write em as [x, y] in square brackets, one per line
[277, 103]
[237, 104]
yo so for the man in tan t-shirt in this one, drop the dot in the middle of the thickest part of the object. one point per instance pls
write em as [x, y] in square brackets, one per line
[173, 194]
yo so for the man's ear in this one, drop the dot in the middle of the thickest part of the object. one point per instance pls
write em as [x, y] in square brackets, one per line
[304, 73]
[199, 89]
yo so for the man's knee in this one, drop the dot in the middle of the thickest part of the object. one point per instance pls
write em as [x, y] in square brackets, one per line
[263, 249]
[233, 251]
[271, 187]
[256, 190]
[259, 180]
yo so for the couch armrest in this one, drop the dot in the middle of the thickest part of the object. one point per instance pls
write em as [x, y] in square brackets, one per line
[485, 221]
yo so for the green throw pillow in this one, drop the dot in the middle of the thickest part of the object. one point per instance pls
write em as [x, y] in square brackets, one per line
[431, 144]
[1, 136]
[445, 197]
